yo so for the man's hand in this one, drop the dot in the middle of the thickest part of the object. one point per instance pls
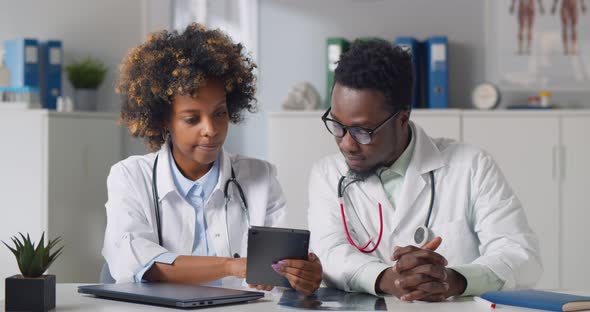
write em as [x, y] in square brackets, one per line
[421, 274]
[304, 276]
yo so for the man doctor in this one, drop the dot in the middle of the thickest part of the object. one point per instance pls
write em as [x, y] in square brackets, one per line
[401, 187]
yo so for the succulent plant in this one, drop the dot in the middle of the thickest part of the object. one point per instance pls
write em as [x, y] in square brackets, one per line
[33, 260]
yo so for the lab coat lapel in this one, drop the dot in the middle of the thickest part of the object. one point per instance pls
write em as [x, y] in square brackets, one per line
[215, 212]
[172, 206]
[164, 179]
[426, 158]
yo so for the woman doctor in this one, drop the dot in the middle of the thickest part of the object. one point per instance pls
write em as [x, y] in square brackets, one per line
[180, 91]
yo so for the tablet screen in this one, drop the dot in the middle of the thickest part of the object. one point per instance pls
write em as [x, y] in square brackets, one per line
[268, 245]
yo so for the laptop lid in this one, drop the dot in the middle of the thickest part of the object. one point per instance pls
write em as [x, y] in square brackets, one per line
[171, 295]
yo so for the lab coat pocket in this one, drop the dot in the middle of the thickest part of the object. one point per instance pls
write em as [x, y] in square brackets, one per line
[459, 244]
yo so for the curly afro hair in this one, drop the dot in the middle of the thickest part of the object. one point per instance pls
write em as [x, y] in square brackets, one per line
[380, 66]
[172, 63]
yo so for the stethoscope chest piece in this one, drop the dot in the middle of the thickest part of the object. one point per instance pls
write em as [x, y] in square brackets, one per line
[422, 235]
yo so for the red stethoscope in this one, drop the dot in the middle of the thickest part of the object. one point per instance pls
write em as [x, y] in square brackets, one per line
[421, 235]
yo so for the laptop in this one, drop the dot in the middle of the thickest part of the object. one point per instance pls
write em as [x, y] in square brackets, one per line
[170, 295]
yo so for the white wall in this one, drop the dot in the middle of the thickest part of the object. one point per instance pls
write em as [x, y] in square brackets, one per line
[292, 40]
[292, 36]
[104, 29]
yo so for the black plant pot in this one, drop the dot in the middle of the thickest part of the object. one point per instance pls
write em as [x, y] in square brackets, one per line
[30, 294]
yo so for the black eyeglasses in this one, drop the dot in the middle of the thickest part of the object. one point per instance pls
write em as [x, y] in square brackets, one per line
[359, 134]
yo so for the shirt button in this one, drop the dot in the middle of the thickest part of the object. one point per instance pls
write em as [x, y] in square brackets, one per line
[217, 235]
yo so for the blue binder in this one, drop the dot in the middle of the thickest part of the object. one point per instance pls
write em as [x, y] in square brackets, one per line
[437, 56]
[51, 59]
[415, 48]
[21, 57]
[538, 299]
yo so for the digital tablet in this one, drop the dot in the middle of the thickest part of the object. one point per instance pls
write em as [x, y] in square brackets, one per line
[269, 245]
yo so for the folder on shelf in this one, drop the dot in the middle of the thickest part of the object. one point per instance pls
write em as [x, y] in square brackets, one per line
[51, 59]
[21, 57]
[334, 48]
[415, 48]
[437, 81]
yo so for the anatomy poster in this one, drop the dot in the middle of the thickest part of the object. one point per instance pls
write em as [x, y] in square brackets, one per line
[539, 44]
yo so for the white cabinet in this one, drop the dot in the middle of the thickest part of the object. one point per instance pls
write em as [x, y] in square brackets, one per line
[53, 178]
[575, 190]
[296, 141]
[439, 123]
[525, 146]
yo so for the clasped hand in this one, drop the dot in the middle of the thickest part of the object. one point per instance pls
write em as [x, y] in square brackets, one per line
[421, 274]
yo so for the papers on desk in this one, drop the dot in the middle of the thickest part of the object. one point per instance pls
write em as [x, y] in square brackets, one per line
[330, 299]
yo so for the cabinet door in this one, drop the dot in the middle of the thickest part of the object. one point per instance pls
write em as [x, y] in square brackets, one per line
[524, 147]
[22, 186]
[81, 151]
[439, 124]
[296, 142]
[576, 209]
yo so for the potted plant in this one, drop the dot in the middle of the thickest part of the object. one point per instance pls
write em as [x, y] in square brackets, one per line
[31, 290]
[86, 76]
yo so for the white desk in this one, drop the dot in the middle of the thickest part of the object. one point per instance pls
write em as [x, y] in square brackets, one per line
[68, 299]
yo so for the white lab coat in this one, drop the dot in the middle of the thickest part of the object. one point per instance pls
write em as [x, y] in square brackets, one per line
[475, 212]
[131, 237]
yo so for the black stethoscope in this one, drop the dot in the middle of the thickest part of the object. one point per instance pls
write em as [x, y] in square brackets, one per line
[422, 233]
[225, 196]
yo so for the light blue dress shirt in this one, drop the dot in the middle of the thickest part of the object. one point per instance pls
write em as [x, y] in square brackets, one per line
[196, 193]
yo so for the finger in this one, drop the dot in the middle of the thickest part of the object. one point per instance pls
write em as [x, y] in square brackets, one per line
[415, 295]
[435, 287]
[434, 271]
[400, 251]
[412, 281]
[306, 275]
[422, 296]
[264, 287]
[434, 298]
[433, 244]
[303, 286]
[301, 264]
[313, 258]
[410, 261]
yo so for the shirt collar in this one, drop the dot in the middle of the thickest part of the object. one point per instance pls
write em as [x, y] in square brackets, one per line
[207, 182]
[400, 166]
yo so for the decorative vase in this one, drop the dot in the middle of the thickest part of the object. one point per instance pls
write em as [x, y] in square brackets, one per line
[30, 294]
[85, 99]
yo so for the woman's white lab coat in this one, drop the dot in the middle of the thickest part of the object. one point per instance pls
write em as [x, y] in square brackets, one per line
[131, 237]
[476, 213]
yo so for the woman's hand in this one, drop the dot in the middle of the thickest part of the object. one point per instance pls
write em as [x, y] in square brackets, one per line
[261, 287]
[304, 276]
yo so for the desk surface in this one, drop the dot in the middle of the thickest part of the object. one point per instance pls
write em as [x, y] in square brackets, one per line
[68, 299]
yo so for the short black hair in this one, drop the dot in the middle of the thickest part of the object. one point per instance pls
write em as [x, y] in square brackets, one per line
[170, 63]
[381, 66]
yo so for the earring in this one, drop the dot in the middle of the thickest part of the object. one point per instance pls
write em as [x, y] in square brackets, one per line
[165, 135]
